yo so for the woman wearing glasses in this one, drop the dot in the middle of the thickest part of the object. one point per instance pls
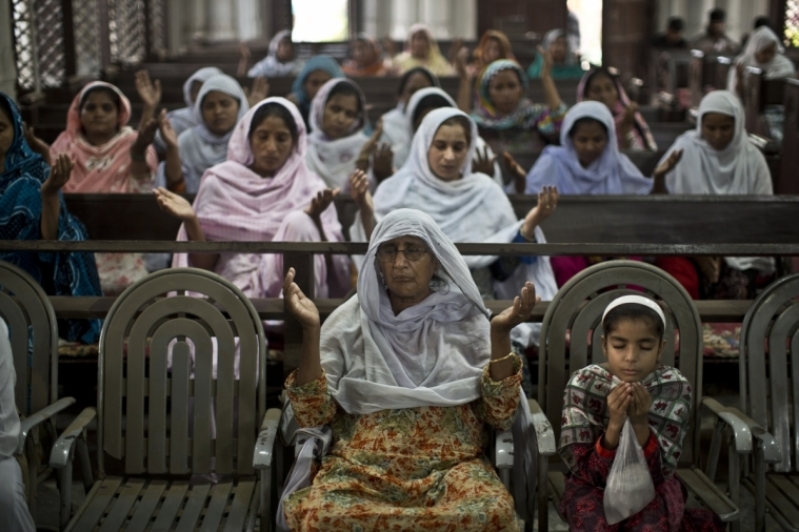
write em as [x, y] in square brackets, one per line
[438, 179]
[405, 375]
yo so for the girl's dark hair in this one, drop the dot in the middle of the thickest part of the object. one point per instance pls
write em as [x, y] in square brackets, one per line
[633, 312]
[347, 88]
[586, 120]
[274, 109]
[420, 70]
[429, 102]
[598, 72]
[462, 121]
[110, 92]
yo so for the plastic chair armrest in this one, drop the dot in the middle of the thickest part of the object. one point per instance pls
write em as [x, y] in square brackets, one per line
[741, 432]
[62, 448]
[543, 430]
[265, 444]
[34, 420]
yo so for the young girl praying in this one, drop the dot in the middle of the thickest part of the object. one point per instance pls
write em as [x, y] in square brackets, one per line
[599, 399]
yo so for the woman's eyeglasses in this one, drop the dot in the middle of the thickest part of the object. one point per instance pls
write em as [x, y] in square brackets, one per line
[388, 253]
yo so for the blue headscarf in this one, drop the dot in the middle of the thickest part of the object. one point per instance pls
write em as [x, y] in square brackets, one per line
[60, 274]
[317, 62]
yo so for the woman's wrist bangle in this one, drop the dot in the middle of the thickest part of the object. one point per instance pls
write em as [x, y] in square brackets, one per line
[503, 359]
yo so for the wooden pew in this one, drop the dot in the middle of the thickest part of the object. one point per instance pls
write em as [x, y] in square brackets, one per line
[760, 92]
[788, 182]
[664, 219]
[708, 72]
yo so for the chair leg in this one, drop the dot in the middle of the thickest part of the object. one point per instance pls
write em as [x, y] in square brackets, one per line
[543, 493]
[715, 449]
[85, 463]
[65, 481]
[734, 470]
[33, 471]
[760, 490]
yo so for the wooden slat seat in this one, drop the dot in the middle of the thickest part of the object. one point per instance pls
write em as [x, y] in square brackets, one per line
[782, 497]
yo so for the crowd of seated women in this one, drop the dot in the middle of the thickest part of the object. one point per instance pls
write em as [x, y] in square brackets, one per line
[425, 176]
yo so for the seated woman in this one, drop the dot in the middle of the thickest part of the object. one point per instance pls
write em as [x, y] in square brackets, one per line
[422, 50]
[407, 374]
[281, 59]
[426, 100]
[110, 157]
[493, 45]
[564, 61]
[262, 193]
[764, 51]
[317, 71]
[338, 118]
[367, 58]
[13, 502]
[184, 118]
[506, 118]
[220, 105]
[719, 159]
[586, 163]
[469, 207]
[599, 399]
[33, 209]
[395, 123]
[632, 130]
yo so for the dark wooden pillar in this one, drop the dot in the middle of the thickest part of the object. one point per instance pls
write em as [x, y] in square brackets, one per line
[68, 25]
[627, 28]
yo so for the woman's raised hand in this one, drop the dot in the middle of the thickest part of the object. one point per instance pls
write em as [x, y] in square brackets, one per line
[359, 189]
[321, 202]
[483, 163]
[174, 204]
[258, 92]
[167, 131]
[149, 92]
[519, 312]
[302, 308]
[668, 165]
[547, 203]
[59, 175]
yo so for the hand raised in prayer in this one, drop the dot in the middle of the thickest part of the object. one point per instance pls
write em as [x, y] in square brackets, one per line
[167, 131]
[638, 410]
[147, 134]
[370, 145]
[37, 145]
[321, 202]
[174, 204]
[359, 189]
[483, 163]
[59, 175]
[668, 165]
[519, 312]
[619, 401]
[546, 53]
[298, 305]
[710, 268]
[629, 115]
[258, 92]
[547, 203]
[455, 48]
[244, 50]
[383, 162]
[514, 167]
[461, 62]
[149, 92]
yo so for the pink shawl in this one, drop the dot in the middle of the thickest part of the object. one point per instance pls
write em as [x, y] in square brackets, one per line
[106, 168]
[236, 204]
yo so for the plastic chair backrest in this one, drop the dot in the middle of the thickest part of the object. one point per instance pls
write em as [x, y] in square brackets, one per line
[769, 347]
[32, 325]
[574, 317]
[183, 405]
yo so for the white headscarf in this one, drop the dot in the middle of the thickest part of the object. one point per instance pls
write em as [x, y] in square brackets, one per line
[473, 208]
[738, 169]
[611, 173]
[431, 354]
[779, 67]
[199, 148]
[183, 119]
[334, 160]
[270, 66]
[9, 419]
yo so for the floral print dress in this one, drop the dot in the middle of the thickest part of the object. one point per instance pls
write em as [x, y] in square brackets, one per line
[408, 469]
